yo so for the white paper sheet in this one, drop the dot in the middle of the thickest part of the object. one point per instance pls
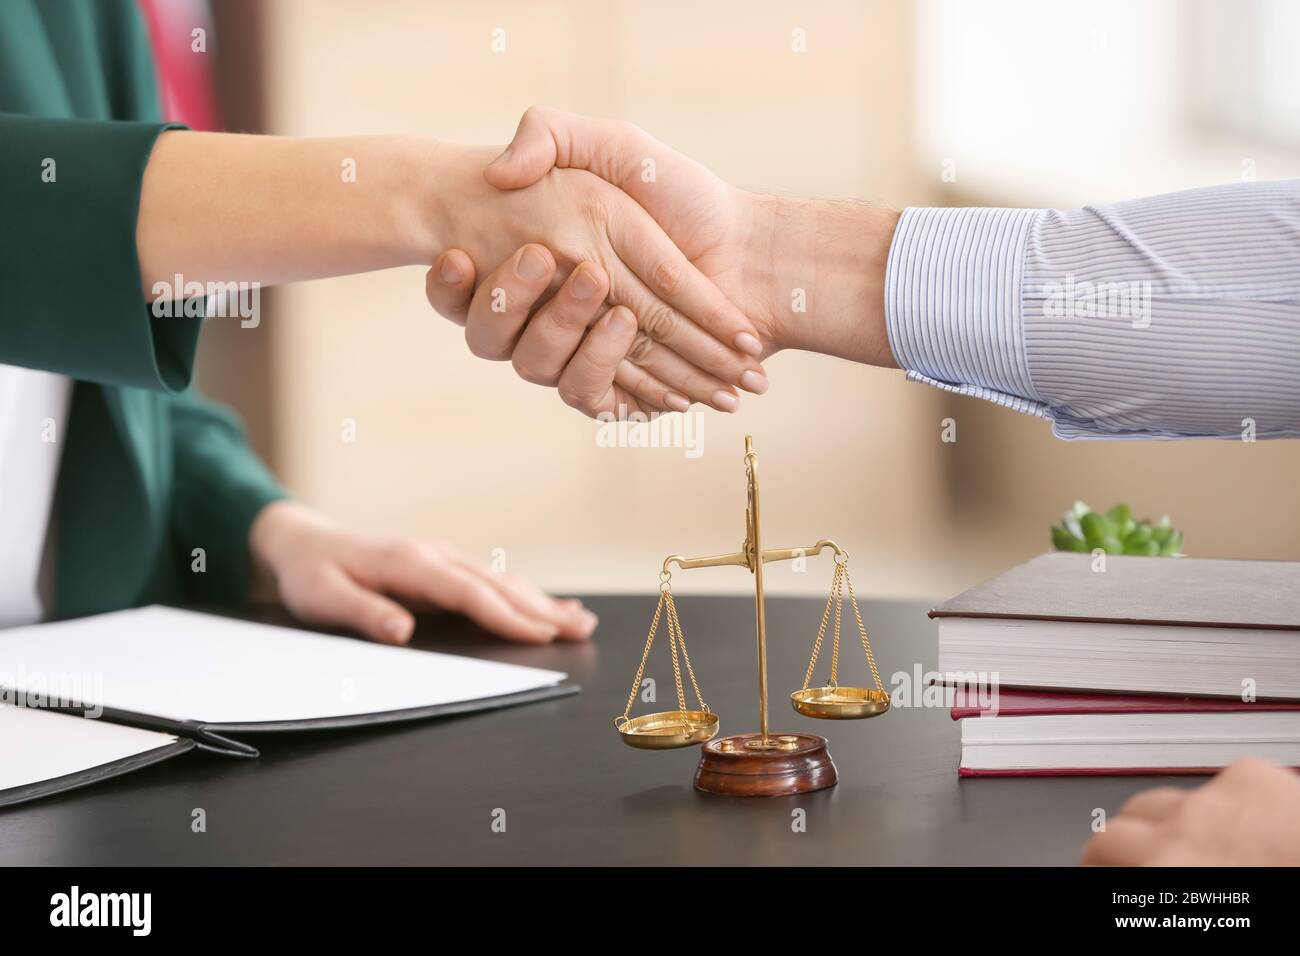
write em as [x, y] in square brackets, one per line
[39, 745]
[184, 665]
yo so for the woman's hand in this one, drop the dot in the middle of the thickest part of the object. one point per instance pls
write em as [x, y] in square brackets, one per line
[571, 217]
[333, 577]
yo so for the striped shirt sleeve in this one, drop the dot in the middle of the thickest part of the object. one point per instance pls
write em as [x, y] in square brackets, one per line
[1176, 316]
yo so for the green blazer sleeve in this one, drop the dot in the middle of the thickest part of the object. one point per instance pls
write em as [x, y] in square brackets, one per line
[70, 290]
[220, 486]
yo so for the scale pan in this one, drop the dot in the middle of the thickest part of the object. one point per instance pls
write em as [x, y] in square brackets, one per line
[840, 703]
[669, 729]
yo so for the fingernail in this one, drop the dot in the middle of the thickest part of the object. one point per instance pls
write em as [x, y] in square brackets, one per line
[584, 284]
[397, 629]
[755, 382]
[533, 265]
[450, 272]
[724, 401]
[677, 403]
[623, 317]
[748, 344]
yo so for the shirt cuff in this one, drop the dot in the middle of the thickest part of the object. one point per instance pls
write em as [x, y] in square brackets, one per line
[953, 302]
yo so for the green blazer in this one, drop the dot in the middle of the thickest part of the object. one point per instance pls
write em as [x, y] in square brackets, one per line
[150, 470]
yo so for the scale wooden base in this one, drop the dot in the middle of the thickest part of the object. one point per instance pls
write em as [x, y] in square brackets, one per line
[760, 764]
[741, 766]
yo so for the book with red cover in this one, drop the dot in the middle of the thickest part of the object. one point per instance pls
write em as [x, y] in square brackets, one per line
[1012, 704]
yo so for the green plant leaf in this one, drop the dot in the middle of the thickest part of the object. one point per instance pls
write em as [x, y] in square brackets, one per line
[1096, 529]
[1063, 540]
[1121, 519]
[1147, 548]
[1115, 531]
[1139, 536]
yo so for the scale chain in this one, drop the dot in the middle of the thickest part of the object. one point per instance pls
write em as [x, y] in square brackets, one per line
[677, 670]
[645, 655]
[838, 586]
[676, 638]
[862, 631]
[821, 630]
[839, 580]
[675, 622]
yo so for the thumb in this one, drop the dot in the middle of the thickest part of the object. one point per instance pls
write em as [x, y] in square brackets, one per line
[529, 157]
[337, 600]
[548, 138]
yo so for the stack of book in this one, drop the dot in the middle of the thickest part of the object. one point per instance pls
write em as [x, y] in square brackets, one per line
[1139, 665]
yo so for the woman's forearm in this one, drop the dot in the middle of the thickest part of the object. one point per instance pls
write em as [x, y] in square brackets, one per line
[227, 207]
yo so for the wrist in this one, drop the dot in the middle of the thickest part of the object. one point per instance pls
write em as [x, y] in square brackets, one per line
[278, 533]
[448, 202]
[822, 268]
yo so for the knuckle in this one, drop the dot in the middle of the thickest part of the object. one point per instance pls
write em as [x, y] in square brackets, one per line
[572, 319]
[403, 551]
[537, 112]
[667, 277]
[642, 348]
[529, 372]
[481, 348]
[570, 395]
[472, 342]
[594, 207]
[661, 323]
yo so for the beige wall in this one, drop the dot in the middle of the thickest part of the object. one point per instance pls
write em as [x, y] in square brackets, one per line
[452, 447]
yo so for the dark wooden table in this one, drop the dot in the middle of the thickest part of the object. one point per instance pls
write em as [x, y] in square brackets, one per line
[571, 792]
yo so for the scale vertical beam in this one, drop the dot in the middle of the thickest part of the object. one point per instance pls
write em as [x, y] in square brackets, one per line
[756, 564]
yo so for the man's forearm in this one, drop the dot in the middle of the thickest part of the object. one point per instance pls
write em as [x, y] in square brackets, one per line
[1173, 316]
[224, 207]
[820, 267]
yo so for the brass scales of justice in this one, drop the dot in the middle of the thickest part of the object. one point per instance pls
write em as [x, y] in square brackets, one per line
[763, 763]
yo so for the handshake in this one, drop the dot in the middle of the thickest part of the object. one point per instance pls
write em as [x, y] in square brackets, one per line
[629, 278]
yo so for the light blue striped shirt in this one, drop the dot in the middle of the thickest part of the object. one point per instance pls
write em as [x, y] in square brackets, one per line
[1176, 316]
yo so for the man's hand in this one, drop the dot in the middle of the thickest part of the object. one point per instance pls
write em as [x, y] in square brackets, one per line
[1248, 815]
[809, 274]
[333, 577]
[691, 341]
